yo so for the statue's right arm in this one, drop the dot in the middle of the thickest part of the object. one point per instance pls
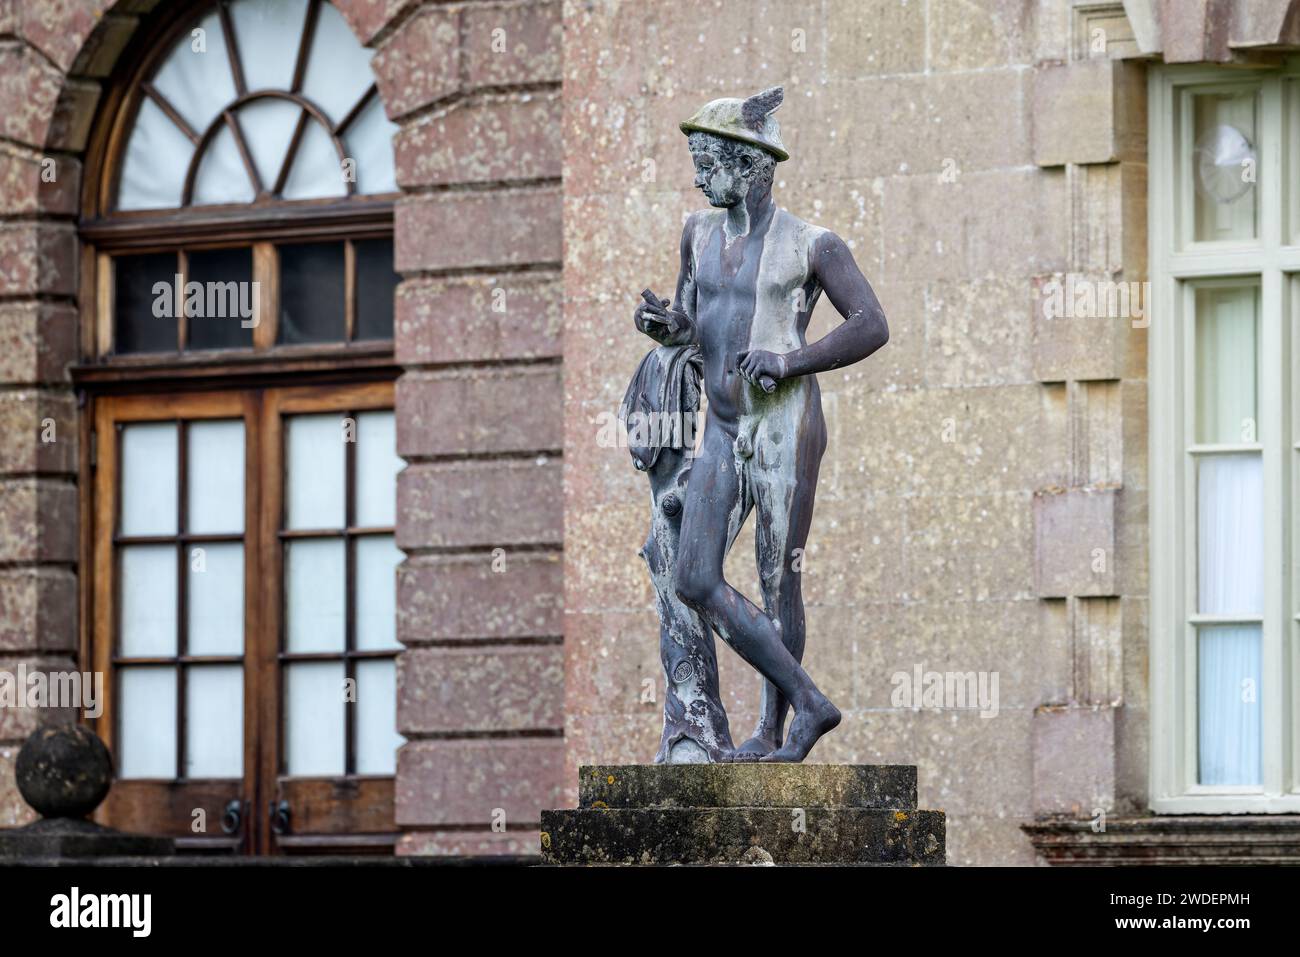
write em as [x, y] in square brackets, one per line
[667, 324]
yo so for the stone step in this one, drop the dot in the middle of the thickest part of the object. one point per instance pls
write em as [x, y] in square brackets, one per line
[747, 785]
[743, 835]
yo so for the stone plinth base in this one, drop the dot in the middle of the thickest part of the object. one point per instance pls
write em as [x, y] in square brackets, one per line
[745, 814]
[62, 838]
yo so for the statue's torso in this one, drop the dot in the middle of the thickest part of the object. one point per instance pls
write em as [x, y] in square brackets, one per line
[748, 297]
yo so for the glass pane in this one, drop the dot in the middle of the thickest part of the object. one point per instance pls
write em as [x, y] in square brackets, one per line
[1230, 534]
[148, 479]
[317, 170]
[311, 293]
[314, 594]
[144, 303]
[1226, 376]
[377, 558]
[377, 465]
[376, 287]
[314, 718]
[222, 177]
[268, 127]
[377, 739]
[146, 723]
[369, 141]
[1224, 169]
[214, 721]
[338, 71]
[216, 599]
[195, 78]
[267, 34]
[147, 597]
[157, 156]
[219, 309]
[1228, 719]
[314, 471]
[215, 467]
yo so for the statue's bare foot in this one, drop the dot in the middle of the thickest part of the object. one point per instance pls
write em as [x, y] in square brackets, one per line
[806, 729]
[756, 747]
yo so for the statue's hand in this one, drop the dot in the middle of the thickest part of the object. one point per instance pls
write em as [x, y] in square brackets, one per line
[762, 368]
[660, 322]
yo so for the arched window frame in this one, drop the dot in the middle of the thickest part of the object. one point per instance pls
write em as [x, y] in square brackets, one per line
[347, 812]
[107, 232]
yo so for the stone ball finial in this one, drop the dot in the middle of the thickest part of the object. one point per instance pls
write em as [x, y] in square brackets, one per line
[63, 771]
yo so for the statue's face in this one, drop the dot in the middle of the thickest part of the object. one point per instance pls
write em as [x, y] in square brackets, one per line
[724, 182]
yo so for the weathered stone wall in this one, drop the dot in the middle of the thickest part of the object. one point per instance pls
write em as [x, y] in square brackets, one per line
[475, 87]
[53, 56]
[981, 504]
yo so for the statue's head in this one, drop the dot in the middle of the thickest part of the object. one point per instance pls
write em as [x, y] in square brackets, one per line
[735, 145]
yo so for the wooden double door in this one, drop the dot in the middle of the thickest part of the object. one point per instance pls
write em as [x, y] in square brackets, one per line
[241, 607]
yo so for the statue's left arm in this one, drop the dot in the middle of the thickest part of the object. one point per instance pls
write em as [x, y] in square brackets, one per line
[863, 331]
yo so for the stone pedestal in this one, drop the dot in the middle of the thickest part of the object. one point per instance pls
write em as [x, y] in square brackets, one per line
[745, 814]
[64, 772]
[69, 839]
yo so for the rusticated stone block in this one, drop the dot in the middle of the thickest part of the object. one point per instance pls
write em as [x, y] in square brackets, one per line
[462, 597]
[1089, 111]
[515, 409]
[478, 782]
[512, 44]
[747, 785]
[497, 138]
[1074, 760]
[25, 715]
[29, 88]
[1096, 346]
[60, 29]
[368, 17]
[38, 431]
[32, 182]
[38, 610]
[419, 64]
[37, 341]
[38, 520]
[37, 259]
[478, 230]
[743, 835]
[495, 689]
[1074, 542]
[515, 316]
[488, 504]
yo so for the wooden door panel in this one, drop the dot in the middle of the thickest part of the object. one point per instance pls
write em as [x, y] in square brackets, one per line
[169, 806]
[342, 814]
[347, 813]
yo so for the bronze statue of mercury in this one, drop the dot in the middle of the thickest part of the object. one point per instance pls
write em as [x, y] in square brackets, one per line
[751, 274]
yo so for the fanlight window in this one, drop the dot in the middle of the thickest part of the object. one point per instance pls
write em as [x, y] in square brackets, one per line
[259, 100]
[261, 117]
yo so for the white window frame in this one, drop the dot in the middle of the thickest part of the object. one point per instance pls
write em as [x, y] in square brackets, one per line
[1175, 264]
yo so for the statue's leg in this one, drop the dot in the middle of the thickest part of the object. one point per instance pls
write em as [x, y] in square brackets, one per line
[712, 504]
[784, 498]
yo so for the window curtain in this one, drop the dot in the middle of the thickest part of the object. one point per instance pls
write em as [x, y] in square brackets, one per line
[1230, 579]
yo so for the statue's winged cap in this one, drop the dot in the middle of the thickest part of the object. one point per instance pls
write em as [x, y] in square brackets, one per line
[749, 120]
